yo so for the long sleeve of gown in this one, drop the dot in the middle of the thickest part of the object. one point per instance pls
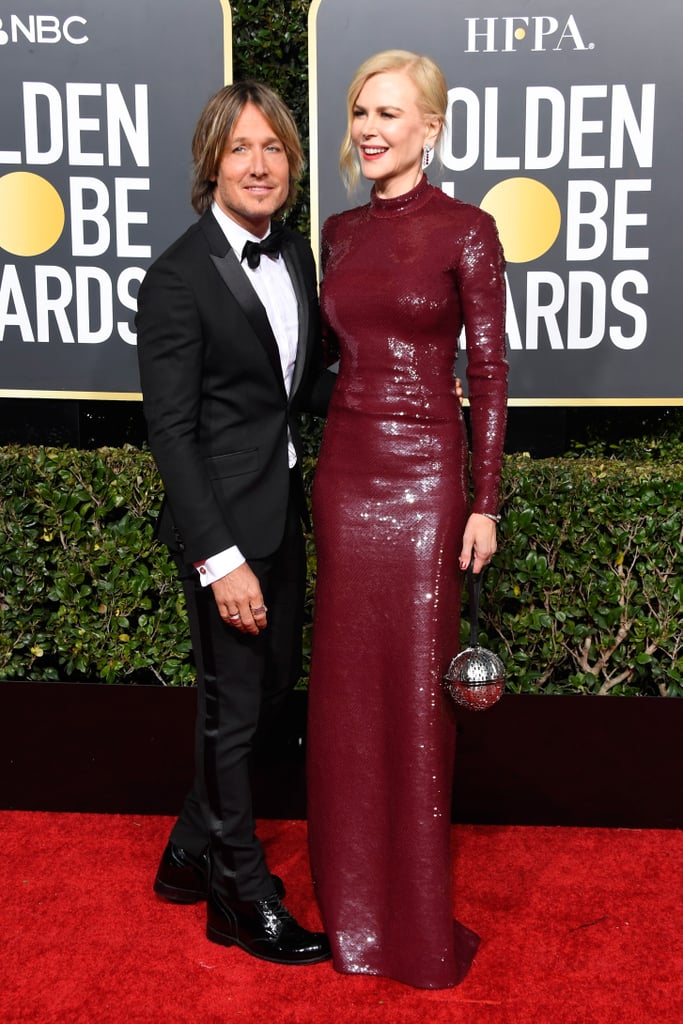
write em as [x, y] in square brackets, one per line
[481, 276]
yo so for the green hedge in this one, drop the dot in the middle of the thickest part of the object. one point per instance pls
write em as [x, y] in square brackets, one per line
[585, 595]
[270, 42]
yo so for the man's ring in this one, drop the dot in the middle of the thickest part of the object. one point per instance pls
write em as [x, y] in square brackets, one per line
[261, 610]
[234, 616]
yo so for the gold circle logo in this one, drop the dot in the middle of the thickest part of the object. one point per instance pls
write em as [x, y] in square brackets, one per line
[528, 217]
[31, 214]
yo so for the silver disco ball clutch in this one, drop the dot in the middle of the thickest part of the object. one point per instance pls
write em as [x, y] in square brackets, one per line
[475, 678]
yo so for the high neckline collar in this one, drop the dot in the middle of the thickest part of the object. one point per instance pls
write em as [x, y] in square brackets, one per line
[400, 204]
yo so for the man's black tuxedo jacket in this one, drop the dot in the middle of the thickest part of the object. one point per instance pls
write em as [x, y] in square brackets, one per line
[214, 396]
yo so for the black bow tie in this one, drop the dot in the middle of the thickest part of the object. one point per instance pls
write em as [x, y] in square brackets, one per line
[270, 246]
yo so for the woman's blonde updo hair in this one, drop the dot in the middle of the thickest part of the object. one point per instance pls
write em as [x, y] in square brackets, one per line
[426, 76]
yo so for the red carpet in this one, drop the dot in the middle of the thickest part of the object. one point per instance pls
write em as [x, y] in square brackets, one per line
[578, 927]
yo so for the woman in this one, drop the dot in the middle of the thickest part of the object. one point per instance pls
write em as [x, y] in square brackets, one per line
[402, 275]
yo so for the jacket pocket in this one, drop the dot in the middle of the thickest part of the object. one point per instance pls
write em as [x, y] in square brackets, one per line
[232, 464]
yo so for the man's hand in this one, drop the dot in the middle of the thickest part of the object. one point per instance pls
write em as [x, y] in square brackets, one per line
[458, 389]
[240, 601]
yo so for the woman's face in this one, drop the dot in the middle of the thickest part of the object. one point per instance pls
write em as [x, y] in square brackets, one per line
[389, 131]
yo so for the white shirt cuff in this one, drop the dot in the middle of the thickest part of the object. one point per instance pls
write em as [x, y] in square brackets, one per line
[218, 566]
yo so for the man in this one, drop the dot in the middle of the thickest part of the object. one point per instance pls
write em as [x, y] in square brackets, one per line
[229, 352]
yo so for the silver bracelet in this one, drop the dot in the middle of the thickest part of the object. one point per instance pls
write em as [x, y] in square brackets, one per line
[490, 515]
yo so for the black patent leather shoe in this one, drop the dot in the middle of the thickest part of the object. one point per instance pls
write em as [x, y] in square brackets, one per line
[265, 929]
[183, 877]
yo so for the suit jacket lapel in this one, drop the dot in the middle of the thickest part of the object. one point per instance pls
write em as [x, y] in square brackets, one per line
[296, 276]
[228, 266]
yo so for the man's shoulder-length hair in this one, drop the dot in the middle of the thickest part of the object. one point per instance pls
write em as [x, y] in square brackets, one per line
[216, 124]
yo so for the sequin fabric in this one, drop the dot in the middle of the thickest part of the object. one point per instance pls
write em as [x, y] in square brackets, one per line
[390, 501]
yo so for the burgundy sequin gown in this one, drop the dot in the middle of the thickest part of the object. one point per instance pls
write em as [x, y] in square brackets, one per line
[390, 503]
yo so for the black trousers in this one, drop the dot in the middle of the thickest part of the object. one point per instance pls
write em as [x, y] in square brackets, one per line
[243, 682]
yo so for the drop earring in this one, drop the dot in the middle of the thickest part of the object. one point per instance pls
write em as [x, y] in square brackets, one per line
[427, 156]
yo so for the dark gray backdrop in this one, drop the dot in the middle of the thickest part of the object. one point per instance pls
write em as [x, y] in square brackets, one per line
[627, 44]
[180, 51]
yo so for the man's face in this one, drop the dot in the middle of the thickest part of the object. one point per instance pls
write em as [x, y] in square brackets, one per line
[252, 182]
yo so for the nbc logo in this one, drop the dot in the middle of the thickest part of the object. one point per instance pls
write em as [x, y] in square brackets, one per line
[43, 28]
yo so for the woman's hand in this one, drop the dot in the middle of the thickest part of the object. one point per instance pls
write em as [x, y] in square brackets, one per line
[479, 540]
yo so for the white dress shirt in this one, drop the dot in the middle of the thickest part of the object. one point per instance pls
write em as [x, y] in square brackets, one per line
[272, 284]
